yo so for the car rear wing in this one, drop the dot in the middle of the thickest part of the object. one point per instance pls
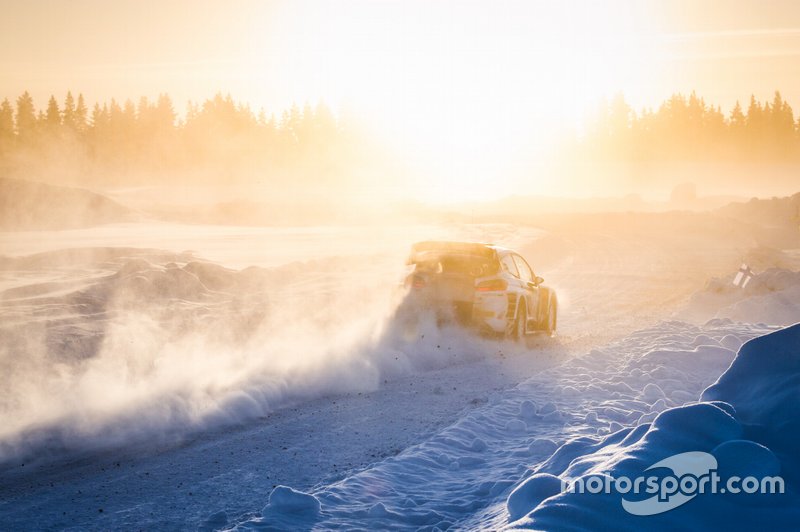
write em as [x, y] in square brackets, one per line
[476, 249]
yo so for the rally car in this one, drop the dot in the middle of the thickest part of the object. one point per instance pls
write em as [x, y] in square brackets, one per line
[481, 285]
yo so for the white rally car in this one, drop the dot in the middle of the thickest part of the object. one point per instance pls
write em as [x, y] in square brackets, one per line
[491, 288]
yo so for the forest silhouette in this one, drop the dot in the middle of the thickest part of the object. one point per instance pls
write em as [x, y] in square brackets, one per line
[222, 141]
[689, 129]
[217, 141]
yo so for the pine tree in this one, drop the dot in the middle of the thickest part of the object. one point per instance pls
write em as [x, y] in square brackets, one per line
[737, 120]
[69, 119]
[695, 110]
[191, 112]
[144, 115]
[782, 118]
[755, 117]
[6, 126]
[98, 130]
[80, 114]
[52, 117]
[97, 116]
[165, 113]
[295, 121]
[306, 126]
[114, 112]
[714, 129]
[26, 117]
[129, 114]
[755, 130]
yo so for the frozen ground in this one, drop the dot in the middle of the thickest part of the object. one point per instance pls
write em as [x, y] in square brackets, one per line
[150, 388]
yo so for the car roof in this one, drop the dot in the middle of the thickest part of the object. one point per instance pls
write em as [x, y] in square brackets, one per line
[452, 246]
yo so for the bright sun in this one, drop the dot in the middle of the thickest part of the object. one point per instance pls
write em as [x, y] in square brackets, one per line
[470, 95]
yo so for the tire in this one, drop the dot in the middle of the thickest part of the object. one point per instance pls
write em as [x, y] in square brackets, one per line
[551, 319]
[520, 324]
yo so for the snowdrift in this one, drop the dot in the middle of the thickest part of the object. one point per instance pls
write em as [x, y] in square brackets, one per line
[763, 386]
[774, 220]
[746, 420]
[31, 205]
[772, 296]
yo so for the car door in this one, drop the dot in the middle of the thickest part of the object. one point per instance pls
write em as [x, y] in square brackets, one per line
[514, 289]
[529, 285]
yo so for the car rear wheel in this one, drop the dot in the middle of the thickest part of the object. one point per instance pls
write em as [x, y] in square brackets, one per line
[551, 320]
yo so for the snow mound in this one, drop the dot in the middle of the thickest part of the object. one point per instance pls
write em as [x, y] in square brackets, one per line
[26, 205]
[285, 500]
[744, 457]
[763, 385]
[531, 492]
[772, 297]
[746, 421]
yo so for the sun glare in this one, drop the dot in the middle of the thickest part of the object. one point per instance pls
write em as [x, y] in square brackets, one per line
[463, 92]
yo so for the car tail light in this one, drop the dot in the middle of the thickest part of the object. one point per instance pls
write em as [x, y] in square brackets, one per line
[494, 285]
[418, 282]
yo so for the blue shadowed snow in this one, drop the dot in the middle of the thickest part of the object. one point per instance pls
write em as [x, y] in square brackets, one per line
[764, 387]
[748, 422]
[531, 492]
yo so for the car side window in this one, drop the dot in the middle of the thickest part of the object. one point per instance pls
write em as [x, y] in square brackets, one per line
[509, 266]
[525, 272]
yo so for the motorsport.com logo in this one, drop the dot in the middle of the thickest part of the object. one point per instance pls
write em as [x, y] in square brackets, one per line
[692, 473]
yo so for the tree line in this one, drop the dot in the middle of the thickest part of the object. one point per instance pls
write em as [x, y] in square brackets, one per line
[218, 139]
[689, 129]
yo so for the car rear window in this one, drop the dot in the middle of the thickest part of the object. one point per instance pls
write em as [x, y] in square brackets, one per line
[456, 264]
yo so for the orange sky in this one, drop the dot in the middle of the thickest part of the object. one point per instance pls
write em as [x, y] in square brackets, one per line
[445, 80]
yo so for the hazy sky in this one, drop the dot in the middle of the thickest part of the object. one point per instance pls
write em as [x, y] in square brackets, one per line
[276, 52]
[445, 79]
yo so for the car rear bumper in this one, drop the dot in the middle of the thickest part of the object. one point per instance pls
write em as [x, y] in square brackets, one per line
[487, 312]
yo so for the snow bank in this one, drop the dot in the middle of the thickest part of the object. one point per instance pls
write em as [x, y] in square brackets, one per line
[285, 500]
[772, 296]
[531, 492]
[747, 421]
[763, 386]
[32, 205]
